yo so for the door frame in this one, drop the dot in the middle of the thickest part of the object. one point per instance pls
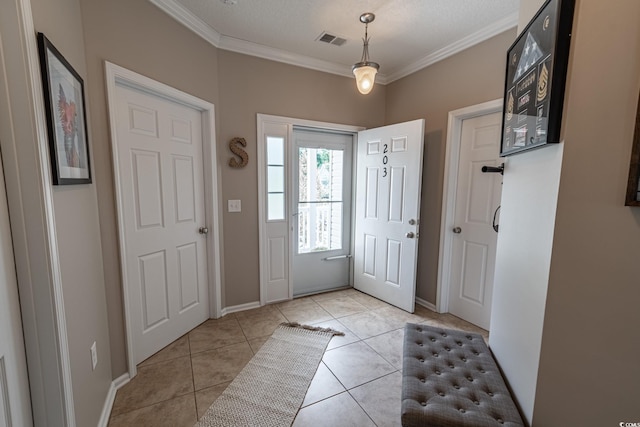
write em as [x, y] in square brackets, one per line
[451, 166]
[25, 151]
[119, 76]
[290, 123]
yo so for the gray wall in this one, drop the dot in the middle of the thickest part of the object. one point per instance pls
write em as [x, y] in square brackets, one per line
[470, 77]
[77, 228]
[249, 86]
[140, 37]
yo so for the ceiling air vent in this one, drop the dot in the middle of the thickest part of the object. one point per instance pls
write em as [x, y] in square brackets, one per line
[331, 39]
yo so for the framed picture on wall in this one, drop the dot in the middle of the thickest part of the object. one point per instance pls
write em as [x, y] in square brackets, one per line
[535, 79]
[66, 119]
[633, 186]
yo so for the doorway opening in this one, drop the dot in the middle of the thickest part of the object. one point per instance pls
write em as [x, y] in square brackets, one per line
[308, 228]
[470, 200]
[321, 210]
[285, 209]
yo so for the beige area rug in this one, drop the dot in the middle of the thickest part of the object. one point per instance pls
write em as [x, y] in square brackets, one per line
[269, 390]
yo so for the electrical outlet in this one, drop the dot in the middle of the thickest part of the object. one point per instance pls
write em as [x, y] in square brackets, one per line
[94, 356]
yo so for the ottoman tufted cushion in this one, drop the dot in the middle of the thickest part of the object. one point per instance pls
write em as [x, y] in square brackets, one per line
[449, 378]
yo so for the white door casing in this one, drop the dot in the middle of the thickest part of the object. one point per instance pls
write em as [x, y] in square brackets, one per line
[316, 271]
[29, 193]
[15, 402]
[164, 166]
[388, 181]
[471, 197]
[275, 236]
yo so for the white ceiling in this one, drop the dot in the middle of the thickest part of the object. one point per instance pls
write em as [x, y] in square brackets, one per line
[407, 35]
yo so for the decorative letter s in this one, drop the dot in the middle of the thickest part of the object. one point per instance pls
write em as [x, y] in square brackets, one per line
[234, 146]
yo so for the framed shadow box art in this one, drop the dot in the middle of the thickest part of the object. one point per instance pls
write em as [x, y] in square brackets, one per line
[66, 119]
[535, 79]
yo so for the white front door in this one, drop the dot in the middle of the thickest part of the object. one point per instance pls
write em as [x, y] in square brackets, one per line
[160, 169]
[474, 238]
[15, 403]
[389, 176]
[321, 210]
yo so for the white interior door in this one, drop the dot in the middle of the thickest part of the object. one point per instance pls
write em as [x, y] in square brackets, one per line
[15, 403]
[160, 169]
[321, 209]
[474, 239]
[389, 176]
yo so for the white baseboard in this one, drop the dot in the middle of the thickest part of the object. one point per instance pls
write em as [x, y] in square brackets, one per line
[111, 396]
[241, 307]
[426, 304]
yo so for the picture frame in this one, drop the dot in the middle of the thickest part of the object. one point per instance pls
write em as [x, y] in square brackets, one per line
[66, 116]
[535, 79]
[633, 184]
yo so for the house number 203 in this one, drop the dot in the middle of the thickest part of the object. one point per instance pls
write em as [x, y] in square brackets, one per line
[385, 160]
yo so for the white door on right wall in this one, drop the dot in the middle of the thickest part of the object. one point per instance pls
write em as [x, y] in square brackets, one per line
[388, 179]
[477, 200]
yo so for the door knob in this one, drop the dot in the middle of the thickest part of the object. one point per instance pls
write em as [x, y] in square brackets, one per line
[203, 230]
[411, 235]
[457, 230]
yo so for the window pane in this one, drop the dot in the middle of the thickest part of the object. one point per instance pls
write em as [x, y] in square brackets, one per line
[275, 179]
[319, 227]
[275, 150]
[319, 174]
[275, 206]
[303, 174]
[320, 199]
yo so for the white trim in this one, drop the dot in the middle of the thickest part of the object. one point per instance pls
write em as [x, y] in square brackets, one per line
[426, 304]
[262, 233]
[56, 274]
[248, 48]
[240, 307]
[506, 23]
[111, 397]
[30, 198]
[452, 154]
[184, 16]
[116, 75]
[310, 123]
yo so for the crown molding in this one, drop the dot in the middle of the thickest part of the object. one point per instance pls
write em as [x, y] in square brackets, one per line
[506, 23]
[253, 49]
[189, 20]
[181, 14]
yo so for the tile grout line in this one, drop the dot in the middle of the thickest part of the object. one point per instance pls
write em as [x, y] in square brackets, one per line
[375, 309]
[193, 379]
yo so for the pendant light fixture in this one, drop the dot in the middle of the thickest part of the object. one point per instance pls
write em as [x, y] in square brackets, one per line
[365, 70]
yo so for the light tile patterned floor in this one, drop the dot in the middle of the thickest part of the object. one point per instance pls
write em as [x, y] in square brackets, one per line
[357, 384]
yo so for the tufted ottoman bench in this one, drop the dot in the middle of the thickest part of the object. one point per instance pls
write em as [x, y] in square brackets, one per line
[449, 378]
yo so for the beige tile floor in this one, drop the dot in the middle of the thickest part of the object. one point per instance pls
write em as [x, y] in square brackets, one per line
[357, 383]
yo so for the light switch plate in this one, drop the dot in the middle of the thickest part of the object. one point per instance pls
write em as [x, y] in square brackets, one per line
[235, 205]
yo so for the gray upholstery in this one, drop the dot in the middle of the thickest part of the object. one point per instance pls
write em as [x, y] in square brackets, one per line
[449, 378]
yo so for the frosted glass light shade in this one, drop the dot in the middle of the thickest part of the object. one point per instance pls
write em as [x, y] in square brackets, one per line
[365, 77]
